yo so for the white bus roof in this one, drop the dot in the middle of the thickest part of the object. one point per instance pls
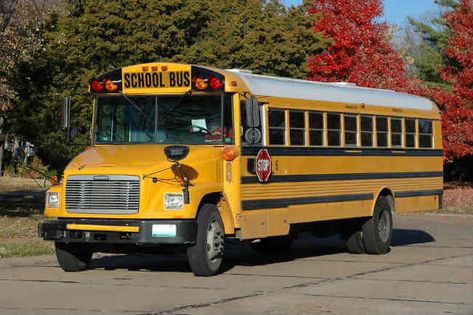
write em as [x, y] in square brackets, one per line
[341, 92]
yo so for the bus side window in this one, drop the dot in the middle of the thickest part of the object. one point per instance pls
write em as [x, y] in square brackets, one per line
[367, 131]
[351, 130]
[316, 128]
[297, 127]
[410, 132]
[425, 133]
[277, 126]
[396, 132]
[250, 134]
[333, 127]
[382, 131]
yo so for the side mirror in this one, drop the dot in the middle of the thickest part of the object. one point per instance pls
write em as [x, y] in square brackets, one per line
[252, 112]
[66, 112]
[176, 153]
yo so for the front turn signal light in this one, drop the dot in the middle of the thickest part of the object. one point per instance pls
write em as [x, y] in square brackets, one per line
[229, 153]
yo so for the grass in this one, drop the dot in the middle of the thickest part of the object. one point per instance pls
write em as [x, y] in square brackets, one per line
[19, 218]
[18, 237]
[27, 248]
[10, 184]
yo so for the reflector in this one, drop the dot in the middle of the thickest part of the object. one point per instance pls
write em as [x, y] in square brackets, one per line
[200, 83]
[110, 85]
[215, 83]
[96, 86]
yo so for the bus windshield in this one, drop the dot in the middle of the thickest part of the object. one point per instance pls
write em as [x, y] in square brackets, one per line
[184, 119]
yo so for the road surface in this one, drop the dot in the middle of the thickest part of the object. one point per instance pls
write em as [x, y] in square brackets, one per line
[428, 271]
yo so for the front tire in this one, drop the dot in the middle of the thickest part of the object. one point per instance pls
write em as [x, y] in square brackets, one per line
[73, 257]
[377, 231]
[206, 255]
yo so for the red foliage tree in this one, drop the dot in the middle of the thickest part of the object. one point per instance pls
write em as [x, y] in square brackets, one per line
[458, 104]
[360, 51]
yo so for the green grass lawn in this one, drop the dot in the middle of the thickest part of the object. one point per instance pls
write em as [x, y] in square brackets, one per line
[18, 237]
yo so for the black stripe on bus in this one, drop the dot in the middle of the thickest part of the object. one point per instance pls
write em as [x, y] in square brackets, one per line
[345, 176]
[286, 202]
[418, 193]
[300, 151]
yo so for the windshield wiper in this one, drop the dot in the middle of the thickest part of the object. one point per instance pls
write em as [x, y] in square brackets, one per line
[129, 100]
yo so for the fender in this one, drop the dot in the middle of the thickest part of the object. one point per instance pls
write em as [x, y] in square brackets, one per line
[380, 193]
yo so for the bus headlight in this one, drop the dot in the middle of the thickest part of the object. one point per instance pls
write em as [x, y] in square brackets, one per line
[173, 201]
[52, 200]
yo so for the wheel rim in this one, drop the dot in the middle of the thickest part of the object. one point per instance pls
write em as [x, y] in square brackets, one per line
[215, 241]
[384, 226]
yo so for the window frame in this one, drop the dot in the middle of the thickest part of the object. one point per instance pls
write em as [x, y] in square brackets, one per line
[357, 129]
[378, 132]
[372, 132]
[407, 133]
[323, 130]
[431, 134]
[284, 129]
[303, 129]
[340, 120]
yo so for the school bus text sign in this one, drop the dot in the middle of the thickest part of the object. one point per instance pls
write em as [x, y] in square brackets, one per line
[156, 78]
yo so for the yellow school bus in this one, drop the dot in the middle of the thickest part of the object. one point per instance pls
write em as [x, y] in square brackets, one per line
[185, 156]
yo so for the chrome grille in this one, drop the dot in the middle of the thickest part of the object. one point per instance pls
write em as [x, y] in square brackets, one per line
[112, 194]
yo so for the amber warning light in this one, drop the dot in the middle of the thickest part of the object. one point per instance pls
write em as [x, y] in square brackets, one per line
[106, 85]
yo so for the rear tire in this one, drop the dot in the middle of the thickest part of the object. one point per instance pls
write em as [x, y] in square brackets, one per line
[273, 244]
[377, 231]
[353, 236]
[206, 255]
[73, 257]
[354, 243]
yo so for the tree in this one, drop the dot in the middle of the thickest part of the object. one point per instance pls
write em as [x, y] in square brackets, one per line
[458, 72]
[97, 36]
[360, 51]
[434, 35]
[93, 38]
[262, 36]
[20, 21]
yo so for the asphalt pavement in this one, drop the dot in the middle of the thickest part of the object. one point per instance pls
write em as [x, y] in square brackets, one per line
[428, 271]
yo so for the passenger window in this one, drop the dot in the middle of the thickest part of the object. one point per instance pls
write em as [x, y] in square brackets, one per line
[351, 130]
[425, 133]
[367, 131]
[410, 132]
[297, 131]
[382, 131]
[333, 128]
[316, 129]
[277, 126]
[396, 132]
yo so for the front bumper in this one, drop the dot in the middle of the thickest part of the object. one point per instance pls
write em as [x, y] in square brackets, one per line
[105, 231]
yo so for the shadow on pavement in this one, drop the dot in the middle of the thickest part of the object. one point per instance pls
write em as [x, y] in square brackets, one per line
[21, 203]
[242, 254]
[402, 237]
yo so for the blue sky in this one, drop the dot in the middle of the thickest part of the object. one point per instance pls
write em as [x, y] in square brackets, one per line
[396, 11]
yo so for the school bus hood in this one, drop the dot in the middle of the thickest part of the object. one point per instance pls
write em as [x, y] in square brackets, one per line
[136, 159]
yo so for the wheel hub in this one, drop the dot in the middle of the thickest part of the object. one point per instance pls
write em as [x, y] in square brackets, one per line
[215, 241]
[384, 226]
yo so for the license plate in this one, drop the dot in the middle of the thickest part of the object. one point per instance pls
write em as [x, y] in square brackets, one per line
[164, 230]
